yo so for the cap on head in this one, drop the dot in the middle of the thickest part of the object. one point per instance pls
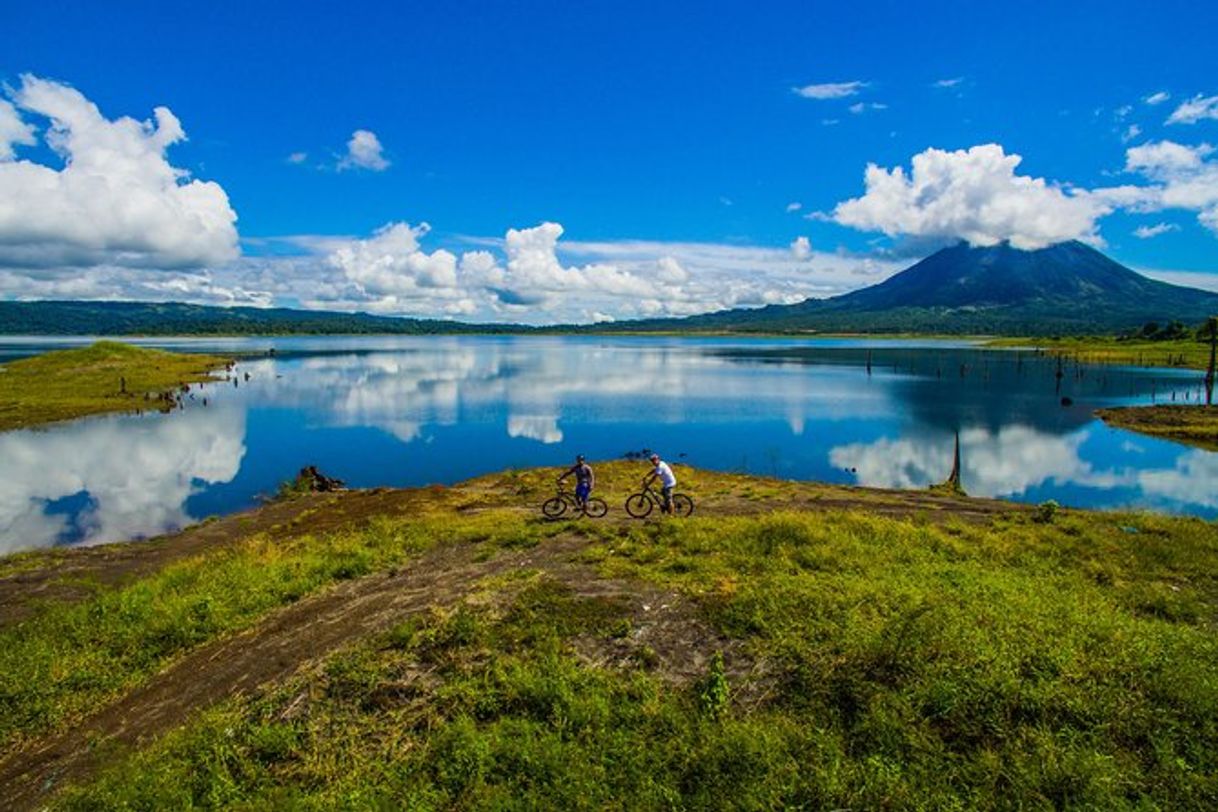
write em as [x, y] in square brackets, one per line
[654, 457]
[579, 457]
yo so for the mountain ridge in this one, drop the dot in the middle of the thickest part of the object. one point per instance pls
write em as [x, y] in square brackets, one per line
[1069, 287]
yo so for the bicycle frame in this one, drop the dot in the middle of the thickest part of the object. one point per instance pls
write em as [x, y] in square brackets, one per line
[652, 494]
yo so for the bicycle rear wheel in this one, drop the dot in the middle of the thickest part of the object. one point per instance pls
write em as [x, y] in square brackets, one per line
[595, 508]
[554, 507]
[682, 505]
[638, 505]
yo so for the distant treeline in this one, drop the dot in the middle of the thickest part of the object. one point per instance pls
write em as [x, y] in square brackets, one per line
[174, 318]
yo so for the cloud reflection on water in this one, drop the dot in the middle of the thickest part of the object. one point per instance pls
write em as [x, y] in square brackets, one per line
[131, 475]
[443, 409]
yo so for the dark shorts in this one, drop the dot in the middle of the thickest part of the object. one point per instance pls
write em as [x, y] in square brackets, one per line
[666, 492]
[582, 490]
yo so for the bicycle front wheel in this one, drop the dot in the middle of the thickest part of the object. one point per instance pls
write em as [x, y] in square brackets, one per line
[638, 505]
[682, 505]
[595, 508]
[554, 507]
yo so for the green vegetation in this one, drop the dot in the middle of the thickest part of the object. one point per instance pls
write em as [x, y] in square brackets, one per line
[106, 377]
[68, 658]
[1133, 351]
[1194, 425]
[176, 318]
[791, 655]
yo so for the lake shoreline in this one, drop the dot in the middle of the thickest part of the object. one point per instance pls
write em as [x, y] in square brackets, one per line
[105, 378]
[1192, 425]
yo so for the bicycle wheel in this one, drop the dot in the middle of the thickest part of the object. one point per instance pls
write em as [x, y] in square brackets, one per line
[595, 508]
[682, 505]
[554, 507]
[638, 505]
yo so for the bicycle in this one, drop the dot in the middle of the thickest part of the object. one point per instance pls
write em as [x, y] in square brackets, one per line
[556, 506]
[640, 505]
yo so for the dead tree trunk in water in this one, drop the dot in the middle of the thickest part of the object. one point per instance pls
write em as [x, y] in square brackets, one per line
[1212, 324]
[952, 483]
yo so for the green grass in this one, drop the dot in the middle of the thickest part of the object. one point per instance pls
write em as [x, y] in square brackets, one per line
[109, 376]
[1064, 663]
[1111, 350]
[1194, 425]
[70, 657]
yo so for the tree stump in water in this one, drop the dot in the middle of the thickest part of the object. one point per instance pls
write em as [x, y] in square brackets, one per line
[952, 483]
[1212, 324]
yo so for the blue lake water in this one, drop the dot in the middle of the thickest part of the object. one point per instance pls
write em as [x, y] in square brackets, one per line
[403, 411]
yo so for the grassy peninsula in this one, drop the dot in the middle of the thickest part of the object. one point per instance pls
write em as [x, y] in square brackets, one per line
[1180, 353]
[790, 645]
[108, 376]
[1193, 425]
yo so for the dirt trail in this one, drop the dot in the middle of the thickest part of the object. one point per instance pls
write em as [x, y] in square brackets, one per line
[273, 650]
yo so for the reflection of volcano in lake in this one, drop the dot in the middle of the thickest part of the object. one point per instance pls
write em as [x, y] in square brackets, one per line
[952, 389]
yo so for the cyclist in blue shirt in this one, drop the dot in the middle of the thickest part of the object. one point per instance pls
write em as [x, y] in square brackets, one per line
[585, 479]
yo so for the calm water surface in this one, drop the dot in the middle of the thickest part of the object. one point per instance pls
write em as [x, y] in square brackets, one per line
[410, 411]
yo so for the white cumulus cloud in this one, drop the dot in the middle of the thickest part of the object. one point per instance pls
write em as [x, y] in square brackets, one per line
[1182, 177]
[858, 108]
[117, 200]
[364, 151]
[1195, 109]
[391, 273]
[1157, 98]
[1147, 232]
[829, 90]
[801, 248]
[13, 131]
[974, 195]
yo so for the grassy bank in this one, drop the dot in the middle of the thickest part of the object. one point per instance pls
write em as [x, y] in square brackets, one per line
[1183, 353]
[1194, 425]
[787, 646]
[109, 376]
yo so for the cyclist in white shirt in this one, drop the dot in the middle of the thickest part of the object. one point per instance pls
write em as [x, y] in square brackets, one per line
[668, 481]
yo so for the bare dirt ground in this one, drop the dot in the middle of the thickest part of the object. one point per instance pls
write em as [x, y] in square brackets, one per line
[293, 637]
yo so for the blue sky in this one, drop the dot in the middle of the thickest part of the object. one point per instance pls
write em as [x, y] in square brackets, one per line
[650, 132]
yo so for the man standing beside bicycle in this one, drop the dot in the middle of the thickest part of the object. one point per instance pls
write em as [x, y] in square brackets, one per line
[668, 481]
[585, 480]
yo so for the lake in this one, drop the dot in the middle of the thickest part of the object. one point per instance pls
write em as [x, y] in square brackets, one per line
[404, 411]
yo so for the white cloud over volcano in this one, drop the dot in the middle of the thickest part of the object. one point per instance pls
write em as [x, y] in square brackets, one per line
[972, 194]
[976, 195]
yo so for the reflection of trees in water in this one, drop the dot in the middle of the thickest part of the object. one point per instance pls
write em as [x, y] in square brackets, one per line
[951, 389]
[113, 478]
